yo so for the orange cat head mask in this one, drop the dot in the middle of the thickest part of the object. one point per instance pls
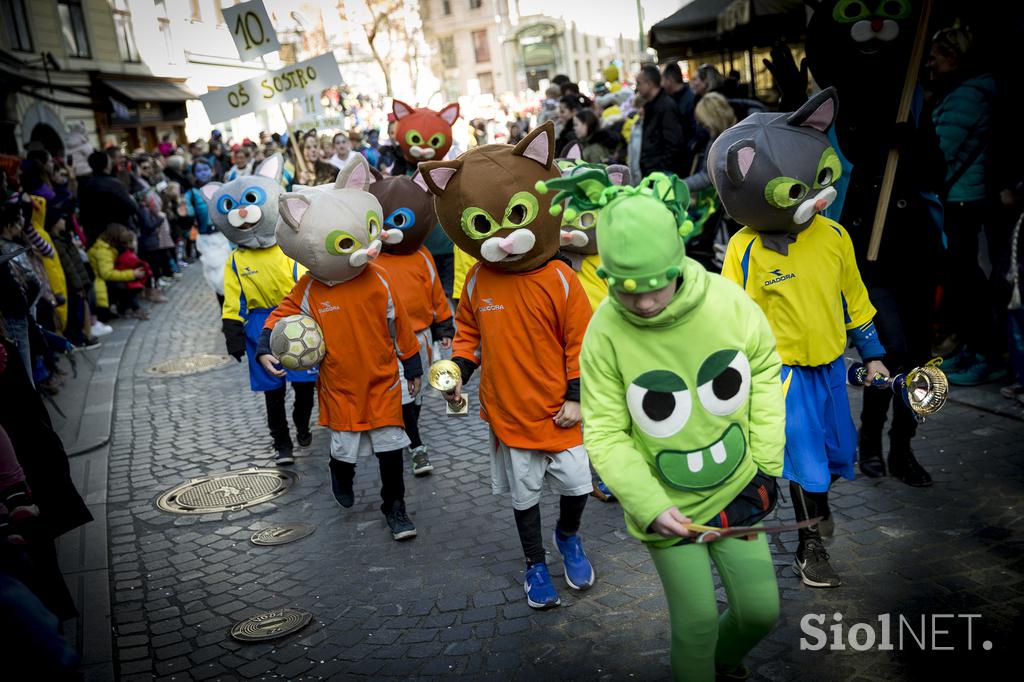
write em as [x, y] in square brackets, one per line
[424, 134]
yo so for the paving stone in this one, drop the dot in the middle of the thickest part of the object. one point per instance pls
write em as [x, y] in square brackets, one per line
[451, 602]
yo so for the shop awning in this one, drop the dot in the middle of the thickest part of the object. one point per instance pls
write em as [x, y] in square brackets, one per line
[696, 23]
[706, 26]
[150, 91]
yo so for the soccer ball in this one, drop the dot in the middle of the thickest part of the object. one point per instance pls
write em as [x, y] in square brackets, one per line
[297, 342]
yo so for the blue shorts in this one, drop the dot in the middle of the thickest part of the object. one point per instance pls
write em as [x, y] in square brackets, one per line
[821, 438]
[259, 379]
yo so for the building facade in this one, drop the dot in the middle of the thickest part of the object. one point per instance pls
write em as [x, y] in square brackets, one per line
[488, 47]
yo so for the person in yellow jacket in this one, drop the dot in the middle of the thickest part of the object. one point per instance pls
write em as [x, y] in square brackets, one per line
[42, 248]
[257, 276]
[102, 256]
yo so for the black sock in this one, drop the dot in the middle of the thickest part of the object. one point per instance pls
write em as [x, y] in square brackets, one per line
[411, 417]
[528, 524]
[392, 484]
[570, 512]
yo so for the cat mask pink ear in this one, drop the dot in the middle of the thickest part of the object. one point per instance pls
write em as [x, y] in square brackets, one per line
[271, 167]
[209, 189]
[739, 160]
[450, 113]
[437, 174]
[417, 178]
[400, 109]
[355, 174]
[291, 207]
[539, 145]
[573, 152]
[819, 112]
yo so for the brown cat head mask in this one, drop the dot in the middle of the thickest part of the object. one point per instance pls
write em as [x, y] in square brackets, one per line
[408, 212]
[488, 204]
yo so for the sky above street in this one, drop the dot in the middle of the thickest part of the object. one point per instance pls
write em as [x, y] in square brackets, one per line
[606, 17]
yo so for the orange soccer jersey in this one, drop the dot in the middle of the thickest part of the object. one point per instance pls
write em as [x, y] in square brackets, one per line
[525, 331]
[358, 386]
[417, 287]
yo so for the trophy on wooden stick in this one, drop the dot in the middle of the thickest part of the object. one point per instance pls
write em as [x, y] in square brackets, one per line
[445, 375]
[923, 389]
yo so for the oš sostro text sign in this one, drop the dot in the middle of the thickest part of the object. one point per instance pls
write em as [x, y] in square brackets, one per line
[312, 76]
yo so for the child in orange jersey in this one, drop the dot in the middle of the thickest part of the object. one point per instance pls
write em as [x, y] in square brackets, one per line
[521, 318]
[335, 232]
[408, 218]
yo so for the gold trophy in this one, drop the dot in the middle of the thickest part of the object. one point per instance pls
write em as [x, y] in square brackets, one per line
[923, 389]
[445, 375]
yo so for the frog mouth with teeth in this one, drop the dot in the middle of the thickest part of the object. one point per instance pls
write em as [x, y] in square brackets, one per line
[705, 467]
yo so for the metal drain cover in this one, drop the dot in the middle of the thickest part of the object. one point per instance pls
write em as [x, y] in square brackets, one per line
[271, 625]
[190, 365]
[282, 533]
[229, 491]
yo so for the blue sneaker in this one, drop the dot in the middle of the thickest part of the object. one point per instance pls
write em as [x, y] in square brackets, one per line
[977, 371]
[540, 591]
[578, 571]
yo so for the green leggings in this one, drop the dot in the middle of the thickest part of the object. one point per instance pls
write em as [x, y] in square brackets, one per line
[701, 639]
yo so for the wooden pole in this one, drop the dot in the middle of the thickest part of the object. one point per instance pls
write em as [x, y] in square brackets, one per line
[903, 113]
[300, 160]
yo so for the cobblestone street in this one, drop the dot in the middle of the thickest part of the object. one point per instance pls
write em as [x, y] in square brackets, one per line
[451, 602]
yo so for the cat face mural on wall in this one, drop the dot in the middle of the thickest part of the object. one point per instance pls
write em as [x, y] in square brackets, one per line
[245, 210]
[424, 134]
[774, 172]
[333, 230]
[488, 204]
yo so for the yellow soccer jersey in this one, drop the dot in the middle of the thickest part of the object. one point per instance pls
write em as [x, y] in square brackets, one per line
[463, 262]
[596, 288]
[811, 297]
[257, 278]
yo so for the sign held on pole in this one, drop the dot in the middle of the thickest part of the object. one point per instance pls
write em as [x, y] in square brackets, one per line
[250, 26]
[294, 81]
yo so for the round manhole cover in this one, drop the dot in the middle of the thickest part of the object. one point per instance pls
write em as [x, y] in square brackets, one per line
[282, 533]
[229, 491]
[271, 625]
[191, 365]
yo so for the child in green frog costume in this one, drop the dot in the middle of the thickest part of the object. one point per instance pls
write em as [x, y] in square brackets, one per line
[685, 421]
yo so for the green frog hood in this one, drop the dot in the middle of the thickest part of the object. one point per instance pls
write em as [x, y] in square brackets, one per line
[683, 408]
[693, 287]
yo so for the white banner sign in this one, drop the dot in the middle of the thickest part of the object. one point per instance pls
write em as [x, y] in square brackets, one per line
[307, 109]
[251, 29]
[310, 77]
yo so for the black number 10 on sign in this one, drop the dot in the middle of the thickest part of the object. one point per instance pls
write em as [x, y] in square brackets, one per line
[250, 28]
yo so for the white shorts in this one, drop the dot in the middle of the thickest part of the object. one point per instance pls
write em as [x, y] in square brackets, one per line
[425, 351]
[349, 446]
[523, 472]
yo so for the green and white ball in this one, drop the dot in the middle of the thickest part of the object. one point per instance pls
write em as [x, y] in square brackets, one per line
[297, 342]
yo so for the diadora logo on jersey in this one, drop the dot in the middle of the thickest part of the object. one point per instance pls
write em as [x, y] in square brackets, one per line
[248, 271]
[778, 276]
[488, 305]
[327, 306]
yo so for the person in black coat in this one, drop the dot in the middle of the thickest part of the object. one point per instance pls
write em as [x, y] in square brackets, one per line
[103, 199]
[45, 463]
[662, 147]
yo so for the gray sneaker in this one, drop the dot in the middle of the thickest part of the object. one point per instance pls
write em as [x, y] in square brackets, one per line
[813, 568]
[420, 461]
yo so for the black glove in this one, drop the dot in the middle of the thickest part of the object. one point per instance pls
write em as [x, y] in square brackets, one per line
[234, 338]
[789, 78]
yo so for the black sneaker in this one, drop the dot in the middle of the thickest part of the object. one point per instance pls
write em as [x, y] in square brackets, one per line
[304, 438]
[342, 474]
[283, 456]
[740, 672]
[399, 523]
[904, 466]
[812, 566]
[869, 454]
